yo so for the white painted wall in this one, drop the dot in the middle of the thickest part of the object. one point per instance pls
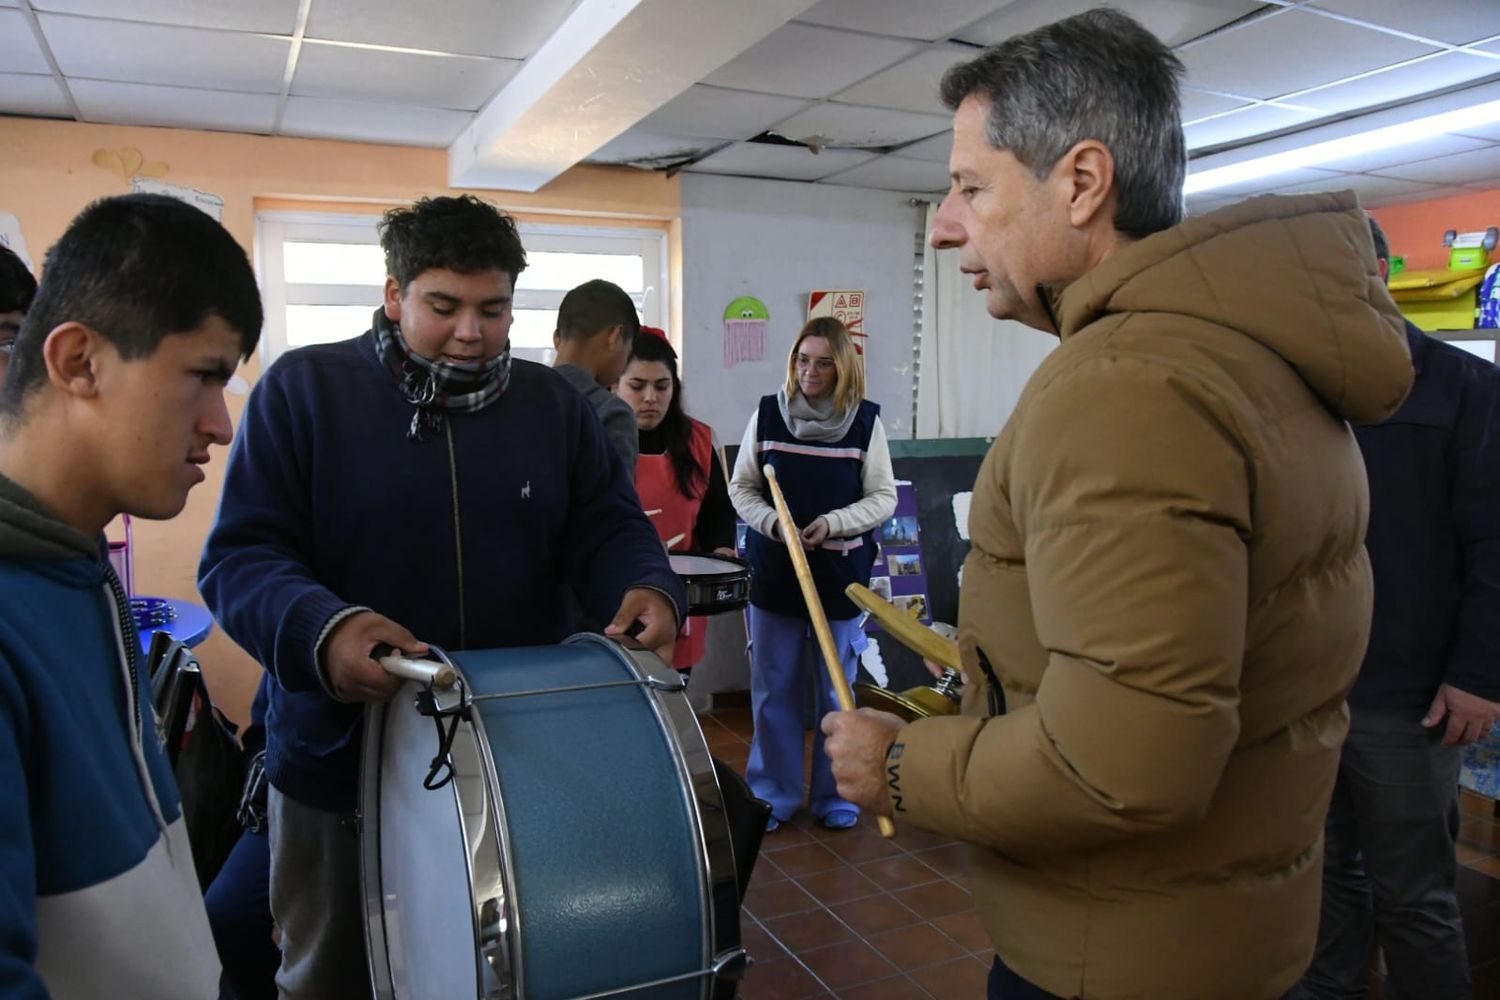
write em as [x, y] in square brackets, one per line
[778, 241]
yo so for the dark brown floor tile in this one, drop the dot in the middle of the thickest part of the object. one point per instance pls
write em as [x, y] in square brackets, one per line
[1481, 833]
[784, 836]
[734, 761]
[915, 946]
[780, 979]
[911, 838]
[847, 963]
[952, 860]
[936, 899]
[959, 979]
[1469, 855]
[861, 845]
[775, 899]
[873, 914]
[758, 942]
[1489, 866]
[838, 885]
[1474, 804]
[802, 932]
[804, 859]
[720, 739]
[765, 870]
[1486, 979]
[899, 872]
[966, 929]
[895, 988]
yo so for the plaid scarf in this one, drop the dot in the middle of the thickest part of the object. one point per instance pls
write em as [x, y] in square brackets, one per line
[437, 387]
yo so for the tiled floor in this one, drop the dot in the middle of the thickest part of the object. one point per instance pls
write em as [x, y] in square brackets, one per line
[850, 915]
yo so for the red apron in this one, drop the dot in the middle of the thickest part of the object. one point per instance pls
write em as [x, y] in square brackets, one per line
[656, 482]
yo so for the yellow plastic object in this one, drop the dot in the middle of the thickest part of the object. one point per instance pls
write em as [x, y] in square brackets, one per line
[1431, 277]
[1440, 293]
[1442, 314]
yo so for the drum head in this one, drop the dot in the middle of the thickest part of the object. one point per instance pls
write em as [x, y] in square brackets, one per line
[715, 584]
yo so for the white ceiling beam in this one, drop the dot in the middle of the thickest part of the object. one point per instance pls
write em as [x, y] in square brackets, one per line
[610, 64]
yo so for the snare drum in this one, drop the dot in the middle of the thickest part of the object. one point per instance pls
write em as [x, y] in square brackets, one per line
[579, 850]
[714, 583]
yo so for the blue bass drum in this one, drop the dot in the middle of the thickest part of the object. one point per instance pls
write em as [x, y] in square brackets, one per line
[548, 828]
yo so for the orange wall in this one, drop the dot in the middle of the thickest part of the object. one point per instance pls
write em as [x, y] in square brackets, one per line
[1415, 231]
[47, 174]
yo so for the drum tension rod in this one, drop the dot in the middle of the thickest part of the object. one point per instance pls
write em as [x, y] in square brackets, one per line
[729, 963]
[655, 683]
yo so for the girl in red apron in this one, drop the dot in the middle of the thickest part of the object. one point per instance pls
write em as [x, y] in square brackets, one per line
[678, 472]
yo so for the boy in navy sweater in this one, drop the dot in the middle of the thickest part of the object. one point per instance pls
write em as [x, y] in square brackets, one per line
[411, 485]
[114, 394]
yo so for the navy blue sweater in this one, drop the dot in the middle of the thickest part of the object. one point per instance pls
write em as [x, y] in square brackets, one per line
[1434, 536]
[469, 539]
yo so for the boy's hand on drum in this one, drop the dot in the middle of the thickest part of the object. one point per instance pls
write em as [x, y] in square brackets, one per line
[657, 618]
[726, 552]
[814, 534]
[353, 673]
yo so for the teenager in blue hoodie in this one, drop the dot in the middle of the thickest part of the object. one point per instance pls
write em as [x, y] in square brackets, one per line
[411, 485]
[114, 394]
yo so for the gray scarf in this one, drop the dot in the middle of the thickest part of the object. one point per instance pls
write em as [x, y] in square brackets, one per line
[814, 421]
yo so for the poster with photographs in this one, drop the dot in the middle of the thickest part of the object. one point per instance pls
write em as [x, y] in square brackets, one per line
[900, 573]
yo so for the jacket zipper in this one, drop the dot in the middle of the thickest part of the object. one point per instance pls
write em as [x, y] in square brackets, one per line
[458, 534]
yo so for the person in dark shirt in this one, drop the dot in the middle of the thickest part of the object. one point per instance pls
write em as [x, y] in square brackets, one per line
[1430, 681]
[596, 326]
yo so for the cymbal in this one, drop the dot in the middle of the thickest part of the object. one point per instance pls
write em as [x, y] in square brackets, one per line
[908, 631]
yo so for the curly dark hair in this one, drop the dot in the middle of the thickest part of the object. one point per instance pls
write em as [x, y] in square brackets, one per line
[463, 234]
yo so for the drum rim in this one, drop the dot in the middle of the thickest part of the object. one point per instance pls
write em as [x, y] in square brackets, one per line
[494, 842]
[740, 564]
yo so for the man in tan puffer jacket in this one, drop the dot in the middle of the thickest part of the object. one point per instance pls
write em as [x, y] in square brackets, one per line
[1168, 595]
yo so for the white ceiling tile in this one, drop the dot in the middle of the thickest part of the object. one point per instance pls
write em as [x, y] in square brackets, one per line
[173, 107]
[1425, 193]
[911, 85]
[935, 150]
[512, 29]
[1400, 82]
[1203, 204]
[339, 72]
[1290, 178]
[31, 94]
[19, 52]
[315, 118]
[10, 3]
[1424, 149]
[1291, 51]
[929, 20]
[638, 145]
[1456, 21]
[1381, 190]
[802, 60]
[176, 57]
[721, 114]
[1173, 21]
[277, 17]
[1476, 167]
[1199, 104]
[850, 125]
[1252, 121]
[1490, 131]
[757, 159]
[1490, 47]
[895, 174]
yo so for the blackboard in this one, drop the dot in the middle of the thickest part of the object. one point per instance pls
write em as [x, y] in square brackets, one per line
[938, 469]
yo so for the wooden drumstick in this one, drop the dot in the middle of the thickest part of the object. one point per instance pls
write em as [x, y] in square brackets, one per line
[439, 675]
[831, 658]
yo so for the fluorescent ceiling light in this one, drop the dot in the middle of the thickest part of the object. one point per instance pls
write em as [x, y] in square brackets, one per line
[1337, 149]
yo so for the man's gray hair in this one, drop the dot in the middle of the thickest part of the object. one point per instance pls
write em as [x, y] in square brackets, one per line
[1098, 75]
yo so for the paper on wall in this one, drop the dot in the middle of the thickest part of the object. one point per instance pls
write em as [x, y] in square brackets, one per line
[211, 204]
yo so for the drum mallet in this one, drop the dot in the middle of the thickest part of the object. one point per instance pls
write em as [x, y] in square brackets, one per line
[438, 675]
[831, 658]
